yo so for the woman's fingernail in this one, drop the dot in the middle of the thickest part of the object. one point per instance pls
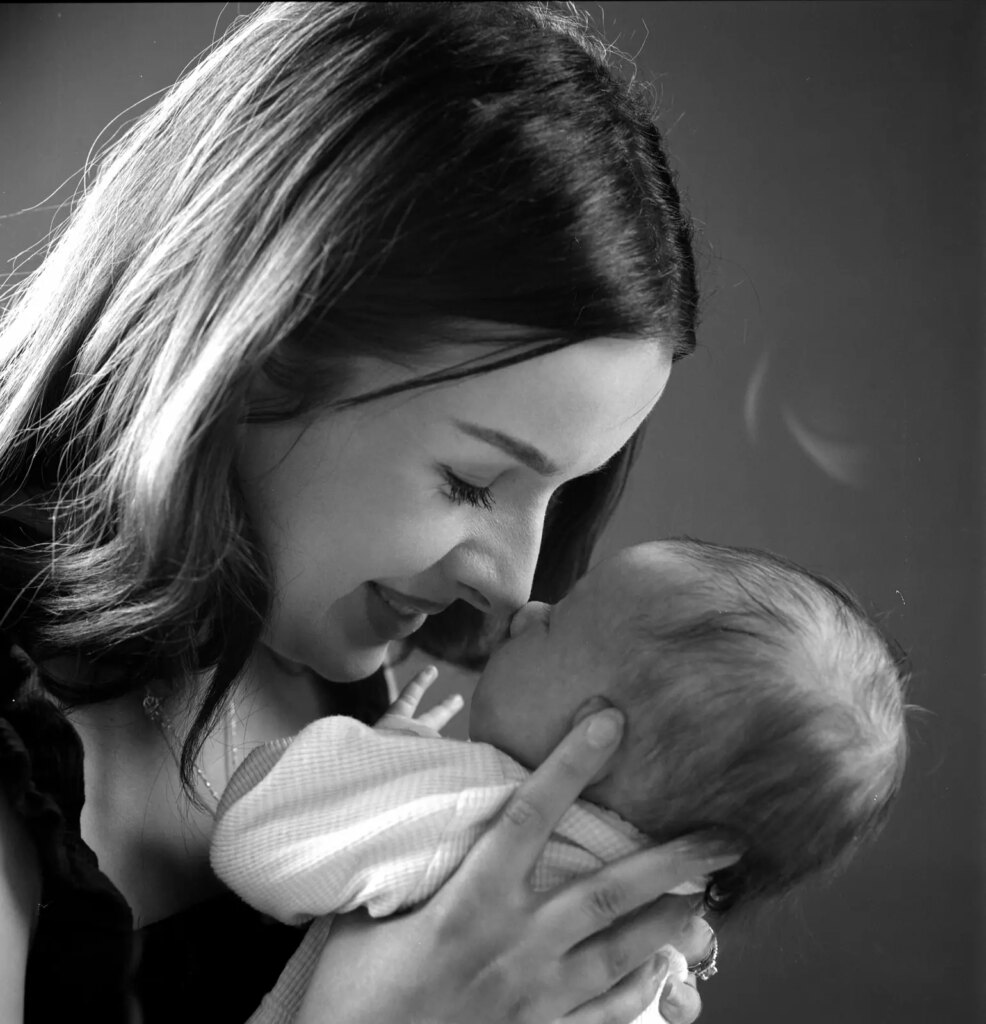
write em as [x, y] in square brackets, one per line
[429, 673]
[710, 848]
[713, 863]
[604, 729]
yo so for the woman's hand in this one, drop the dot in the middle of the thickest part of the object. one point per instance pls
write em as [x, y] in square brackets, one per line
[486, 949]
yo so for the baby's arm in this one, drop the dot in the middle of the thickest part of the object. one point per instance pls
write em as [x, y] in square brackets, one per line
[345, 816]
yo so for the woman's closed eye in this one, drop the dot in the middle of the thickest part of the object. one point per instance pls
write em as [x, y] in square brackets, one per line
[462, 493]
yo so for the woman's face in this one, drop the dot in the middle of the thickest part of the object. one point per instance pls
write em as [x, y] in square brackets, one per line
[376, 516]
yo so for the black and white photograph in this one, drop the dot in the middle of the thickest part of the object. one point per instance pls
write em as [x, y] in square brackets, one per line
[492, 512]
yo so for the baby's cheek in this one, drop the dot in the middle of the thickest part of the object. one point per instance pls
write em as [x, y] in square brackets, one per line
[483, 724]
[582, 670]
[497, 704]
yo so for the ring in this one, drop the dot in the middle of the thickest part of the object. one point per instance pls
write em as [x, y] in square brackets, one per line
[706, 967]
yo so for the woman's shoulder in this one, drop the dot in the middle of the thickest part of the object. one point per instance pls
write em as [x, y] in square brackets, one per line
[68, 927]
[20, 891]
[42, 783]
[41, 773]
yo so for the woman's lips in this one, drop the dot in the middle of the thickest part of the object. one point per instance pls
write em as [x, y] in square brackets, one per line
[391, 615]
[408, 605]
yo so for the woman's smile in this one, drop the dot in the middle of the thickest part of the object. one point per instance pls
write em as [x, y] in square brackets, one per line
[387, 621]
[394, 616]
[404, 604]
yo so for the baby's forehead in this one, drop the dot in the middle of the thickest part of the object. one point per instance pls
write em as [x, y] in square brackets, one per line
[646, 571]
[656, 561]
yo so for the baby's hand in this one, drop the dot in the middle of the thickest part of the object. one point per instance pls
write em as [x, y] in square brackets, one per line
[407, 702]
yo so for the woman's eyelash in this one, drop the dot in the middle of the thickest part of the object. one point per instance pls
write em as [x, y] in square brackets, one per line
[461, 493]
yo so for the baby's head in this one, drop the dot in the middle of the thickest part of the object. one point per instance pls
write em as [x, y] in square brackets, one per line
[760, 701]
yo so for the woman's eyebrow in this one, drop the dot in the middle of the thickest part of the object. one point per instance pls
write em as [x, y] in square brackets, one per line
[512, 446]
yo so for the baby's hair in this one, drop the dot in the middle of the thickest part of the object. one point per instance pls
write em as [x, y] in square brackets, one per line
[768, 706]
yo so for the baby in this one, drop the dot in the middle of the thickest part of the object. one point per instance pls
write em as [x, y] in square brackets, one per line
[760, 703]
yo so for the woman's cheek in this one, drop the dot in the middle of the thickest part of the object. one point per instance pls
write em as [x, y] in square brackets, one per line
[418, 543]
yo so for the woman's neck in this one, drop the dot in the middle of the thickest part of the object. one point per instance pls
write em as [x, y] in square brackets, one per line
[275, 699]
[151, 839]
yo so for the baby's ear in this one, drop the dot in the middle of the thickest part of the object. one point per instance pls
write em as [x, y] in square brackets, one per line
[590, 707]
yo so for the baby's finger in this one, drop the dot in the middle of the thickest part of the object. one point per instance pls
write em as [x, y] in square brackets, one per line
[410, 696]
[441, 714]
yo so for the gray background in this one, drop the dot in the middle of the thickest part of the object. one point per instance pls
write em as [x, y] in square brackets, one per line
[832, 155]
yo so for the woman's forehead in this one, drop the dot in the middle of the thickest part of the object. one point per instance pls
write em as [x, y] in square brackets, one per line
[587, 395]
[470, 365]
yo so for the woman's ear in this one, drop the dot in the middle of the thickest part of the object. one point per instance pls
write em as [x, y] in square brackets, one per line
[584, 710]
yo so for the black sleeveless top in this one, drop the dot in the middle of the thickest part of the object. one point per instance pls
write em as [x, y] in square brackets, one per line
[212, 962]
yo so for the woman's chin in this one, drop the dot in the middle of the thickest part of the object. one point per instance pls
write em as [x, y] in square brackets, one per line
[347, 667]
[353, 666]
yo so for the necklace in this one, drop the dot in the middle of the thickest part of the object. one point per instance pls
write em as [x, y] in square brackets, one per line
[155, 712]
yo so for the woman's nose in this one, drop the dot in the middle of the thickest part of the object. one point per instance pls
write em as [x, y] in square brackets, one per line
[495, 572]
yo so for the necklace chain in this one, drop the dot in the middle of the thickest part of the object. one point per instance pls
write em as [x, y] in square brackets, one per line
[155, 712]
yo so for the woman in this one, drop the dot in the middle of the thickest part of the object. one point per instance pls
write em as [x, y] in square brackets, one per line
[350, 342]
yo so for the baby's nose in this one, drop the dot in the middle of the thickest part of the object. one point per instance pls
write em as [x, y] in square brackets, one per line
[534, 612]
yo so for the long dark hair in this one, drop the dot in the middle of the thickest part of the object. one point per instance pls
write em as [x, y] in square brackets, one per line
[330, 181]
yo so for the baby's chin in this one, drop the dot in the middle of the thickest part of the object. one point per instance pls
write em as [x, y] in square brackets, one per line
[483, 731]
[525, 750]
